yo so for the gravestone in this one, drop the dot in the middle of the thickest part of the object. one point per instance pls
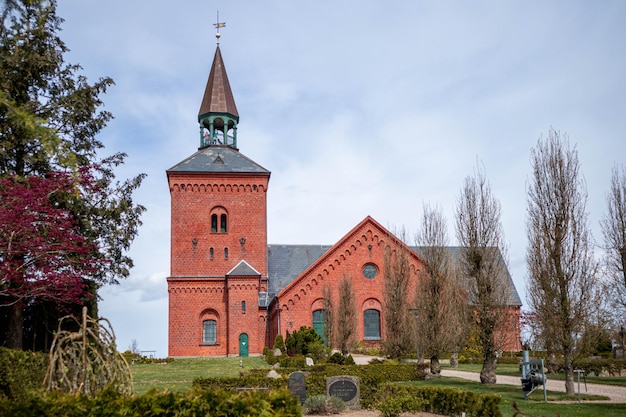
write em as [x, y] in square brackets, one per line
[345, 387]
[297, 385]
[309, 361]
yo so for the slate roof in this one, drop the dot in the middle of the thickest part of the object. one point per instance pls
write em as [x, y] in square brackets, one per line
[455, 253]
[219, 159]
[286, 262]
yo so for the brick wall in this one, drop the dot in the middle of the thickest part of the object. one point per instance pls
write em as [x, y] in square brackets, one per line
[197, 286]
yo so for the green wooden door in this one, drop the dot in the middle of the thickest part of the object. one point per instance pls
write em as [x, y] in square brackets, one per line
[243, 345]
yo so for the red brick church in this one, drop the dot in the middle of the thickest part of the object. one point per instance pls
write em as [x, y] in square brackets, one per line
[230, 292]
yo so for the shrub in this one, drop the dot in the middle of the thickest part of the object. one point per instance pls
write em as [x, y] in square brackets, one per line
[393, 399]
[321, 404]
[315, 404]
[21, 372]
[302, 341]
[340, 359]
[279, 343]
[216, 403]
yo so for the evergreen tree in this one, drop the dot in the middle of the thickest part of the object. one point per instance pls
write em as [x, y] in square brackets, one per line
[50, 116]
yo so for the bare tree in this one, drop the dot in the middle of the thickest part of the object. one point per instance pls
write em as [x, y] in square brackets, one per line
[562, 270]
[482, 264]
[346, 316]
[614, 231]
[440, 298]
[328, 318]
[397, 276]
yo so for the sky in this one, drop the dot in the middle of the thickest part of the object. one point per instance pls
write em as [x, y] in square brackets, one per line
[356, 107]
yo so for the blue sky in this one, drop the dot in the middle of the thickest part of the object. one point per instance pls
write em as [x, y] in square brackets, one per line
[357, 107]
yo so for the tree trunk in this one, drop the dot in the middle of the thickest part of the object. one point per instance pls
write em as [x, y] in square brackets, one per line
[569, 373]
[15, 333]
[488, 372]
[435, 367]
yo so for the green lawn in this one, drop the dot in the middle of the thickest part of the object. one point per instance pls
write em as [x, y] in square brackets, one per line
[535, 404]
[179, 374]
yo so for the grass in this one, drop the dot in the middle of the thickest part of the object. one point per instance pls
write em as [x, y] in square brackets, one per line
[535, 406]
[179, 374]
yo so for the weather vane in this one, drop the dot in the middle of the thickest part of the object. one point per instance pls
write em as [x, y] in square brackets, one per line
[218, 25]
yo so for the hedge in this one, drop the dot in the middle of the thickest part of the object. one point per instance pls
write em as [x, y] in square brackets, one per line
[21, 372]
[196, 402]
[394, 399]
[371, 376]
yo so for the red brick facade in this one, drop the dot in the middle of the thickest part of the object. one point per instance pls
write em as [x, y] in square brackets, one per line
[220, 277]
[201, 257]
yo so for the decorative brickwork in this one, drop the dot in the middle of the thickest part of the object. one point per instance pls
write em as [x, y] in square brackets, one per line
[221, 298]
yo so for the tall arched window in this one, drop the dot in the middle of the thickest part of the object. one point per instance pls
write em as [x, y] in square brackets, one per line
[318, 323]
[214, 223]
[223, 223]
[371, 324]
[209, 332]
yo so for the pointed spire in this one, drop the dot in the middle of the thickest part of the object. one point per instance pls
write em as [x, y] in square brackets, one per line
[218, 112]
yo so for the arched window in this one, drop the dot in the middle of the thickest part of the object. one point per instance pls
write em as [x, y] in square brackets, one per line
[219, 220]
[243, 306]
[225, 253]
[371, 324]
[214, 223]
[319, 317]
[209, 332]
[223, 223]
[211, 253]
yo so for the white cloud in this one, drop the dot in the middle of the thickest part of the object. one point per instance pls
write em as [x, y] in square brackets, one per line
[357, 108]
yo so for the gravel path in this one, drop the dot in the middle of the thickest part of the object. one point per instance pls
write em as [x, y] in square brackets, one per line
[616, 394]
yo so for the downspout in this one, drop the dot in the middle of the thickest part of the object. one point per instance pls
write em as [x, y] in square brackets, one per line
[227, 318]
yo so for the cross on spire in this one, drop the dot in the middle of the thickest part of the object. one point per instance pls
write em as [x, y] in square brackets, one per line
[218, 25]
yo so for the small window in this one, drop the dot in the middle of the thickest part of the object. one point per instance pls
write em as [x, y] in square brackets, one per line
[243, 306]
[214, 223]
[211, 253]
[209, 332]
[225, 253]
[371, 324]
[223, 222]
[219, 220]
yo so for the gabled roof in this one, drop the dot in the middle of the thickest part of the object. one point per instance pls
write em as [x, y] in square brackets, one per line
[243, 269]
[218, 97]
[222, 159]
[367, 223]
[287, 263]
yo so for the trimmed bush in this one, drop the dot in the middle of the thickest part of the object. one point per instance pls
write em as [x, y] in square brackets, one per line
[392, 400]
[196, 402]
[21, 372]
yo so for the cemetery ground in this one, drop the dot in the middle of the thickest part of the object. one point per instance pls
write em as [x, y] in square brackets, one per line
[178, 375]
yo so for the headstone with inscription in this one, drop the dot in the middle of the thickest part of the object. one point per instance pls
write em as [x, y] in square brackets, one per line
[345, 387]
[297, 385]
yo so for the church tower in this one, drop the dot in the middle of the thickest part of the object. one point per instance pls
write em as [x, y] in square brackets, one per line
[218, 268]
